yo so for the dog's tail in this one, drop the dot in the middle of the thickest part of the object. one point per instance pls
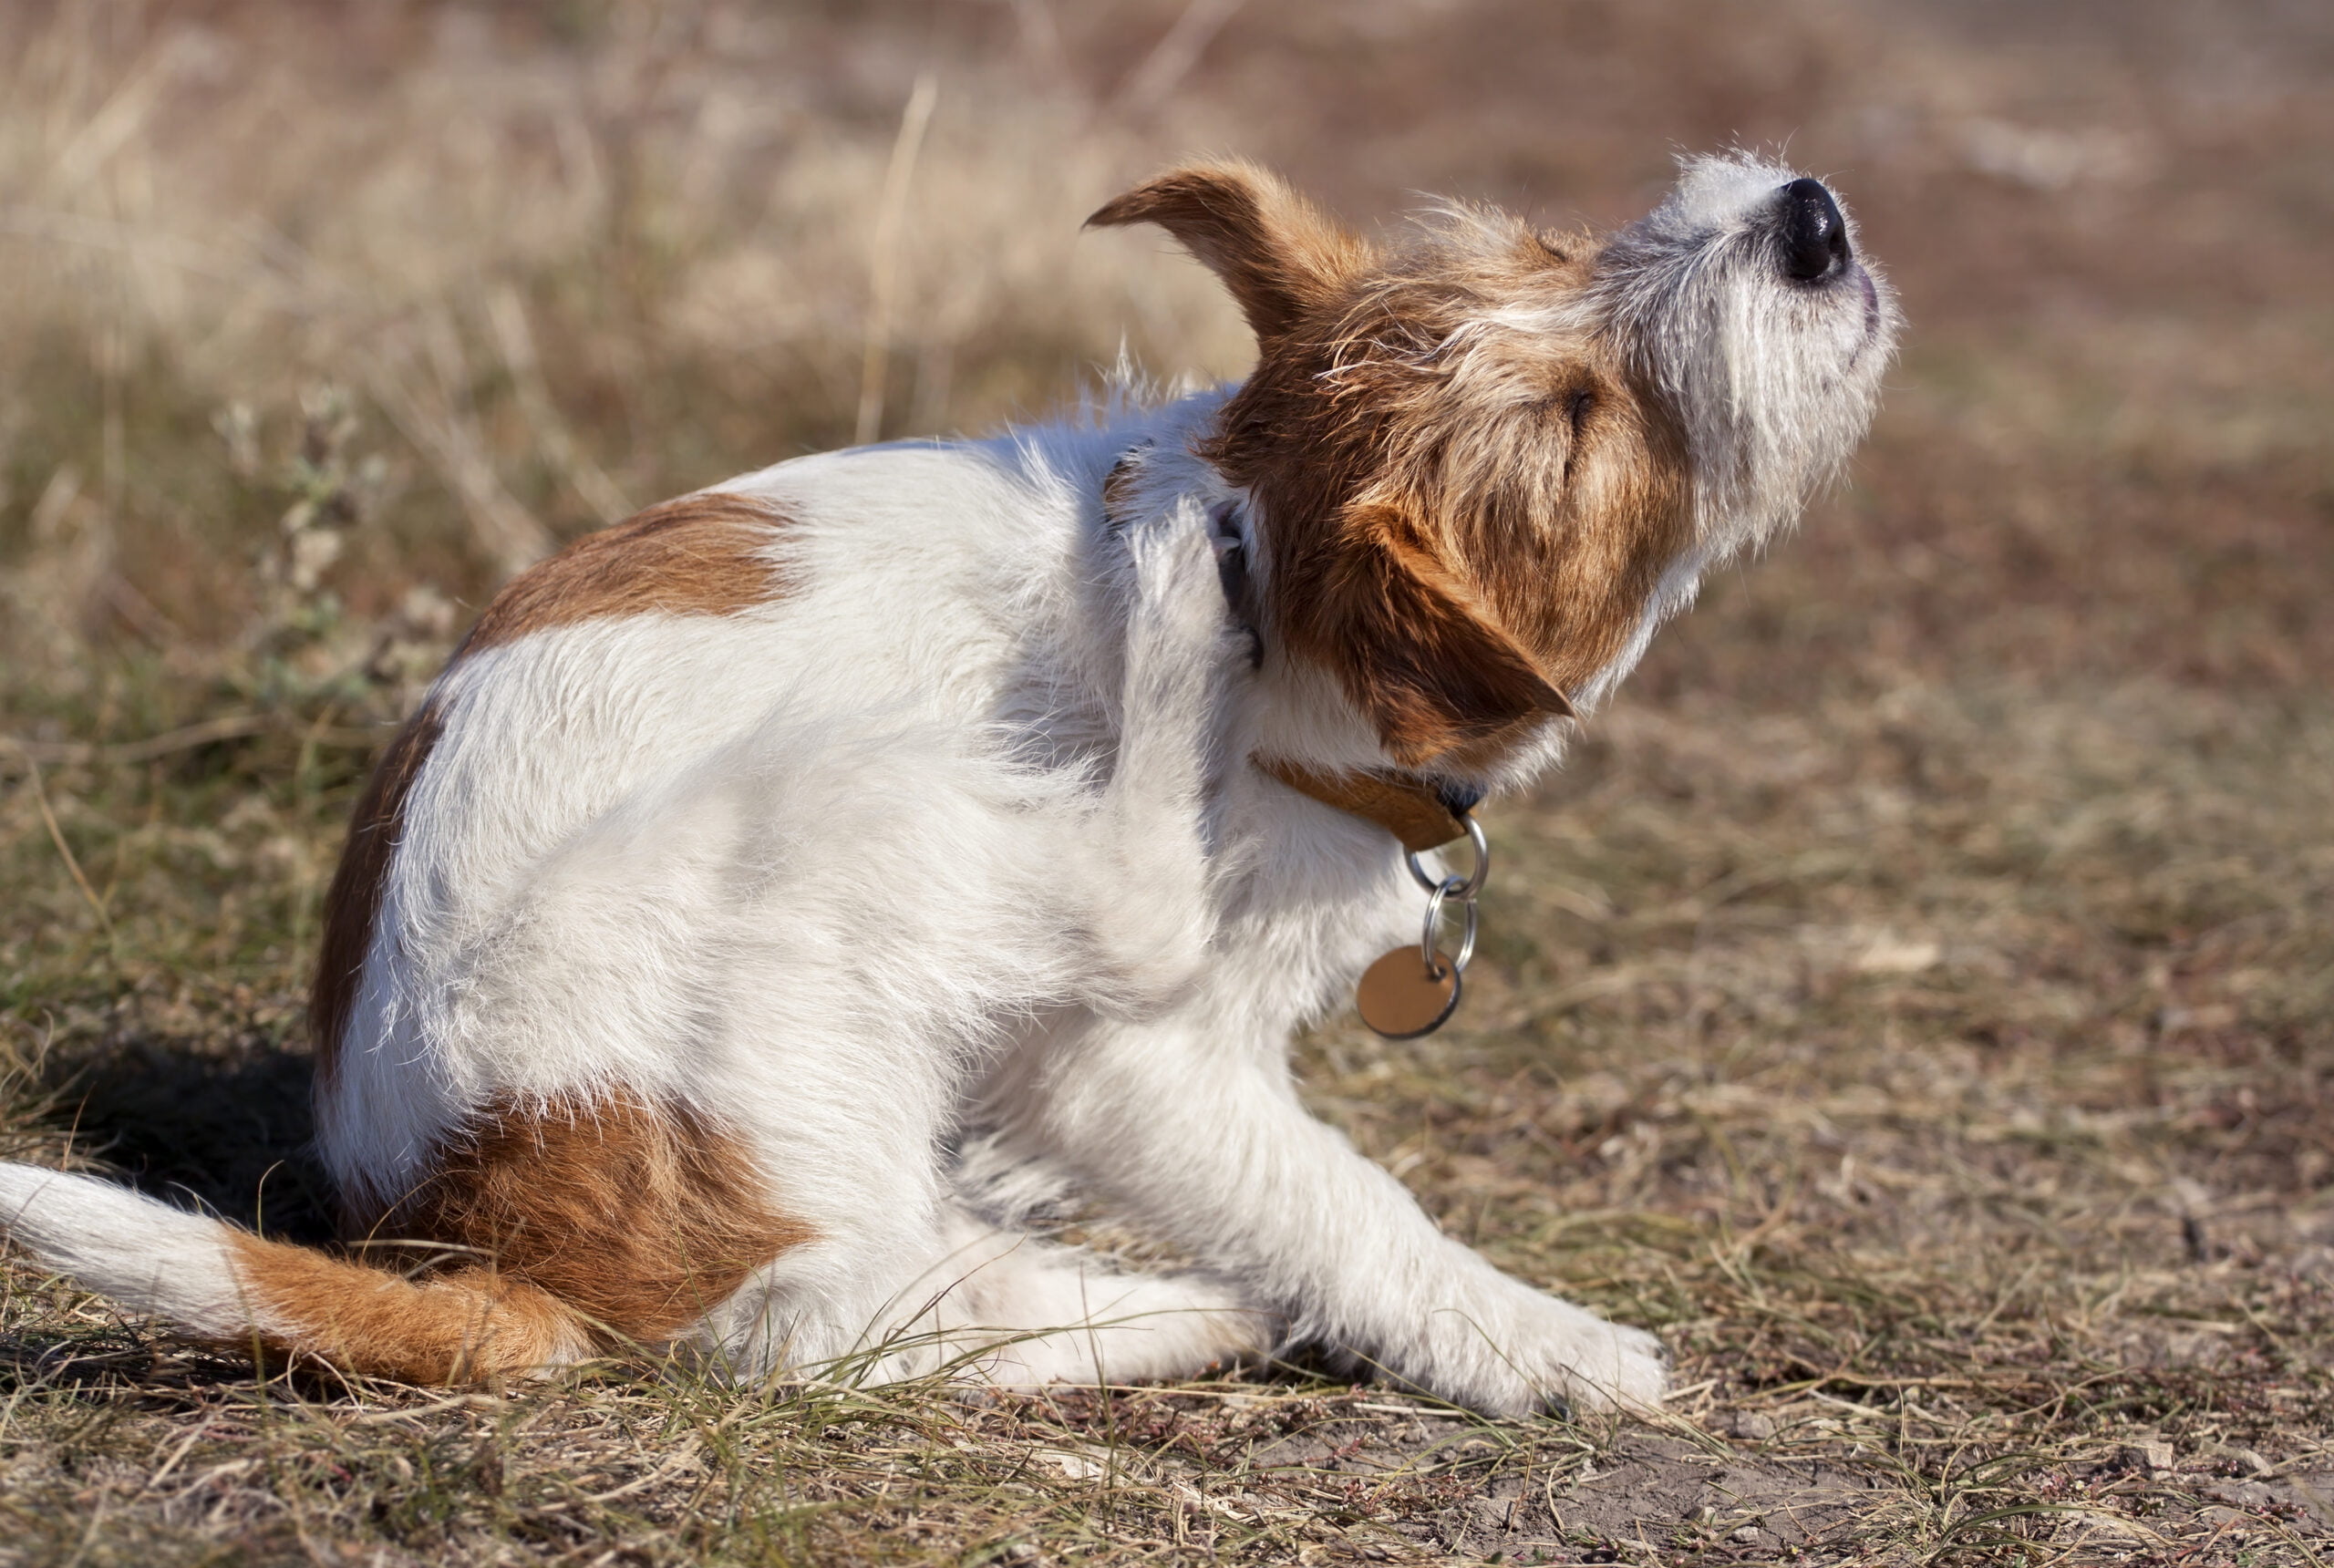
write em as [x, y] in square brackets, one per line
[228, 1287]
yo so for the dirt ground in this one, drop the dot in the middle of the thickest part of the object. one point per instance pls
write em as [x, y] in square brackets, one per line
[1915, 1000]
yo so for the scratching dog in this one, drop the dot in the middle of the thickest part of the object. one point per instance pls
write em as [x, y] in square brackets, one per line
[781, 894]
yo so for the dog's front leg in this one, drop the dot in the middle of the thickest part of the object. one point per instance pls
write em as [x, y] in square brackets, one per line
[1210, 1145]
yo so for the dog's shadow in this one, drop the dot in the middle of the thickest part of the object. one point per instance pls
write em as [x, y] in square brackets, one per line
[228, 1130]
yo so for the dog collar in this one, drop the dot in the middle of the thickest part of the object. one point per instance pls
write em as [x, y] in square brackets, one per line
[1421, 816]
[1411, 991]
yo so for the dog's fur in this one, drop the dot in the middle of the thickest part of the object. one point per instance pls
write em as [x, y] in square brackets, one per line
[781, 894]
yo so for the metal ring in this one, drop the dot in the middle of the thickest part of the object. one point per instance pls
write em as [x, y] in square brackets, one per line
[1474, 885]
[1428, 949]
[1433, 927]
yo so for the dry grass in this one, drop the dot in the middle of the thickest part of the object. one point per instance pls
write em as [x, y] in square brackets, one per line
[1915, 1001]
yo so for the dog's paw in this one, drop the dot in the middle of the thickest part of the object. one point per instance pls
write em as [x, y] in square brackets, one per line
[1176, 617]
[1541, 1353]
[1614, 1367]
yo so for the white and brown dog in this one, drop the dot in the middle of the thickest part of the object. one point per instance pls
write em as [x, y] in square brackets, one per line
[779, 893]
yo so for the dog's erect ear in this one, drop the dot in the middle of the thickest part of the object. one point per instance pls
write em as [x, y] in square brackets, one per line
[1415, 647]
[1273, 250]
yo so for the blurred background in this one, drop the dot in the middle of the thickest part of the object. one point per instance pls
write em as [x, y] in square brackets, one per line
[1991, 814]
[551, 261]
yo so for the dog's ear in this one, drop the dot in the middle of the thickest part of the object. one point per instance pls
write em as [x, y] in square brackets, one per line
[1415, 646]
[1275, 252]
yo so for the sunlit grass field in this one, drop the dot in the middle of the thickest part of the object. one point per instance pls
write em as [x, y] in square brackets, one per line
[1915, 1000]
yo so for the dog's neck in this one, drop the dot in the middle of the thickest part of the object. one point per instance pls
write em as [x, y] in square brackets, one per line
[1421, 812]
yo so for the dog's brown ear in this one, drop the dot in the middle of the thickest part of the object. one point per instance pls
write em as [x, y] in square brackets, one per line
[1417, 649]
[1275, 252]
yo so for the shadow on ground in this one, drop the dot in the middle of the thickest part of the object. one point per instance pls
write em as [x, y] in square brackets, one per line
[223, 1124]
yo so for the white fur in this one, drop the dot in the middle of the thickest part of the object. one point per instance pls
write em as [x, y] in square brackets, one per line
[944, 879]
[1776, 379]
[129, 1248]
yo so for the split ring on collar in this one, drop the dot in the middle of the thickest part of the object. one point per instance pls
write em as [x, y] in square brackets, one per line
[1471, 885]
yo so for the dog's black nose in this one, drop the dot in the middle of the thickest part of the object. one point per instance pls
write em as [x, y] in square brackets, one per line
[1815, 235]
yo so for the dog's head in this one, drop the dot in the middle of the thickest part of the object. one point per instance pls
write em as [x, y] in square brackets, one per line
[1483, 465]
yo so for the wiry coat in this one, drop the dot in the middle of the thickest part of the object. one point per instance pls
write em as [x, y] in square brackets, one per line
[780, 893]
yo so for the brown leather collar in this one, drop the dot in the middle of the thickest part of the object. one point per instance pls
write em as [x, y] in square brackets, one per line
[1421, 816]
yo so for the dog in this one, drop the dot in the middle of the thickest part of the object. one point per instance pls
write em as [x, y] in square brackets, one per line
[782, 896]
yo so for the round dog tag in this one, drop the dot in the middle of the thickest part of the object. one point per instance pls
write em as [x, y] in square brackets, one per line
[1401, 998]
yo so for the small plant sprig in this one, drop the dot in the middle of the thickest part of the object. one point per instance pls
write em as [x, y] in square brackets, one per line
[304, 648]
[330, 487]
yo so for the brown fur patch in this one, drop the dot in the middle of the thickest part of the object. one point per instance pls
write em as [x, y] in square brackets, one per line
[353, 904]
[1465, 503]
[1413, 640]
[698, 555]
[468, 1325]
[639, 1216]
[1462, 528]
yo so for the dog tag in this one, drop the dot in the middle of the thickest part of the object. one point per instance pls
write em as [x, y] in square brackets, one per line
[1401, 999]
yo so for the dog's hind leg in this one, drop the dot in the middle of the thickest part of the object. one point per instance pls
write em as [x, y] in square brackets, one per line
[1149, 861]
[996, 1306]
